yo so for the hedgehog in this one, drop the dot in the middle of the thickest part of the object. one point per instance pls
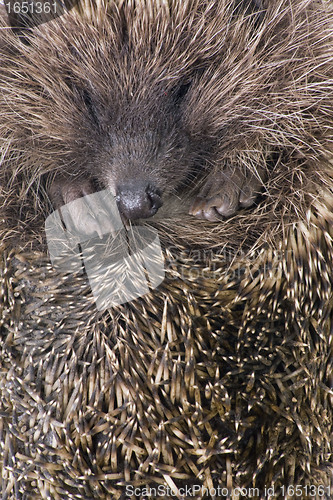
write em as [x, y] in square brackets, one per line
[209, 121]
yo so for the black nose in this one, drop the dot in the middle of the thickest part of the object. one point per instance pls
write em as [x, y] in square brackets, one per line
[137, 200]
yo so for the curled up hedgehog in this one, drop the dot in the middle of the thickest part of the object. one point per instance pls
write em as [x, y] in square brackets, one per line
[210, 121]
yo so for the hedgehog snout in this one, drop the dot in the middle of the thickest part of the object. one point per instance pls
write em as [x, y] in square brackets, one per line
[138, 200]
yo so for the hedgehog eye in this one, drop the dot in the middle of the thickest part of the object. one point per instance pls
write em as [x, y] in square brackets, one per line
[181, 91]
[88, 101]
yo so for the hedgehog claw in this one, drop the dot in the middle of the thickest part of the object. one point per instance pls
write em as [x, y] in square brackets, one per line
[222, 196]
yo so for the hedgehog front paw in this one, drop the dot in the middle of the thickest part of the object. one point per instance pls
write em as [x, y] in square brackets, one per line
[225, 193]
[84, 214]
[63, 190]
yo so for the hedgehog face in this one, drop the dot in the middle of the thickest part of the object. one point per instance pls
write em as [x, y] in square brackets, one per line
[139, 147]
